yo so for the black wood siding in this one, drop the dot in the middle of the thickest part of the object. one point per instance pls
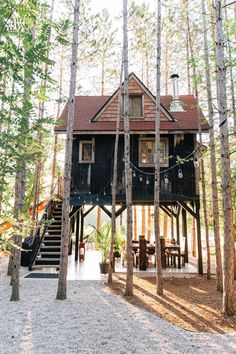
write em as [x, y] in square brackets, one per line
[95, 179]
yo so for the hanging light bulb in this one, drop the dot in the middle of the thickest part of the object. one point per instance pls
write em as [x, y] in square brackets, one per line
[180, 173]
[141, 178]
[195, 162]
[97, 199]
[91, 202]
[104, 193]
[79, 197]
[134, 174]
[147, 181]
[166, 180]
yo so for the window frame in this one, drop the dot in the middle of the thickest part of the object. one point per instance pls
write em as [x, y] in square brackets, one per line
[142, 105]
[83, 142]
[165, 164]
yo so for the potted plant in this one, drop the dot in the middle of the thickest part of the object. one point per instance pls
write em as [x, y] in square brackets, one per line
[103, 242]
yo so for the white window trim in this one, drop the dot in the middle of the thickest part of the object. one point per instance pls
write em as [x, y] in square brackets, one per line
[92, 142]
[166, 164]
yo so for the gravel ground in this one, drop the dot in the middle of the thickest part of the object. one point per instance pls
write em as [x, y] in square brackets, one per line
[91, 320]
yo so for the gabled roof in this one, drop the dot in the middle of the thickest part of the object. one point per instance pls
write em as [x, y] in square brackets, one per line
[132, 76]
[90, 109]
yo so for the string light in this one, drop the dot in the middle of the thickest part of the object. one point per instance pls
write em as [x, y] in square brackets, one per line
[180, 173]
[104, 193]
[140, 178]
[134, 174]
[147, 181]
[195, 162]
[166, 180]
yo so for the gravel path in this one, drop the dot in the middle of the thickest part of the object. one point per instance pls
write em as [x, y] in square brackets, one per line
[91, 320]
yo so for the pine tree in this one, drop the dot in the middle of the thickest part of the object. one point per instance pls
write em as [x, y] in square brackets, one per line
[62, 280]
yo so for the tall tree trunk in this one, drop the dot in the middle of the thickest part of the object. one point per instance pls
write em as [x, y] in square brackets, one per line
[188, 66]
[228, 269]
[208, 272]
[114, 180]
[194, 237]
[231, 75]
[165, 224]
[54, 162]
[62, 280]
[128, 174]
[215, 201]
[159, 281]
[195, 85]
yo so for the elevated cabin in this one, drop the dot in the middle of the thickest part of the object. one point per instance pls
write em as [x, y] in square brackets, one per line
[93, 150]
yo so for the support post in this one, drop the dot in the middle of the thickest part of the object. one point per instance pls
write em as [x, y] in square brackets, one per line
[199, 241]
[185, 233]
[82, 226]
[177, 227]
[77, 236]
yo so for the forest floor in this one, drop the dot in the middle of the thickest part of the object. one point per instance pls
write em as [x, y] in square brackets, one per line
[94, 319]
[188, 302]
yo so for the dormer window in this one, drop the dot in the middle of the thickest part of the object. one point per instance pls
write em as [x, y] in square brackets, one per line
[136, 106]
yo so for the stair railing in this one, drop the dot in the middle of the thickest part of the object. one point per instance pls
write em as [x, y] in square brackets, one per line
[40, 231]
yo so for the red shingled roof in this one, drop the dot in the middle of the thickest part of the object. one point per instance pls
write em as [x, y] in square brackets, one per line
[87, 106]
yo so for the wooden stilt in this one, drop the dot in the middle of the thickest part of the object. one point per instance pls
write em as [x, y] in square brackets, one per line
[135, 223]
[172, 224]
[199, 241]
[149, 223]
[194, 237]
[185, 233]
[99, 212]
[165, 224]
[177, 227]
[143, 220]
[77, 235]
[82, 225]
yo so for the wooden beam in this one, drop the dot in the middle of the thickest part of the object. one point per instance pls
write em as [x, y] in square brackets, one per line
[135, 223]
[143, 220]
[74, 211]
[89, 210]
[165, 211]
[82, 226]
[149, 223]
[105, 210]
[165, 224]
[199, 241]
[185, 233]
[77, 236]
[99, 218]
[187, 208]
[177, 229]
[120, 211]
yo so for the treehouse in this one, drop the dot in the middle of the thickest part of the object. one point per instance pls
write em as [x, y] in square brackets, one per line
[93, 153]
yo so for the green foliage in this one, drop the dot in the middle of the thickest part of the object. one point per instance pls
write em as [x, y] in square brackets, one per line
[103, 240]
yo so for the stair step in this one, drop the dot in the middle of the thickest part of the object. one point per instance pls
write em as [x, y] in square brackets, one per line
[53, 226]
[47, 259]
[42, 247]
[49, 253]
[38, 266]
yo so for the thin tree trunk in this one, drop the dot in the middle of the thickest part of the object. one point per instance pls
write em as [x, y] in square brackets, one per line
[143, 220]
[231, 76]
[54, 163]
[99, 218]
[62, 280]
[114, 180]
[128, 174]
[165, 224]
[215, 201]
[195, 85]
[188, 66]
[159, 281]
[194, 237]
[228, 270]
[208, 272]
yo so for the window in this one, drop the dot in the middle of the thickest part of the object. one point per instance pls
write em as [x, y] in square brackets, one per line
[135, 106]
[86, 151]
[147, 151]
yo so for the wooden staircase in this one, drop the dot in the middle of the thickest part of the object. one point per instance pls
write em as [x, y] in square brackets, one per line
[48, 255]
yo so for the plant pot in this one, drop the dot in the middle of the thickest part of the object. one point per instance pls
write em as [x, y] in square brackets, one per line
[104, 268]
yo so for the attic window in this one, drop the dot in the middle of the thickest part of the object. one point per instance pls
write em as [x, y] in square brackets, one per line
[135, 106]
[86, 151]
[147, 151]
